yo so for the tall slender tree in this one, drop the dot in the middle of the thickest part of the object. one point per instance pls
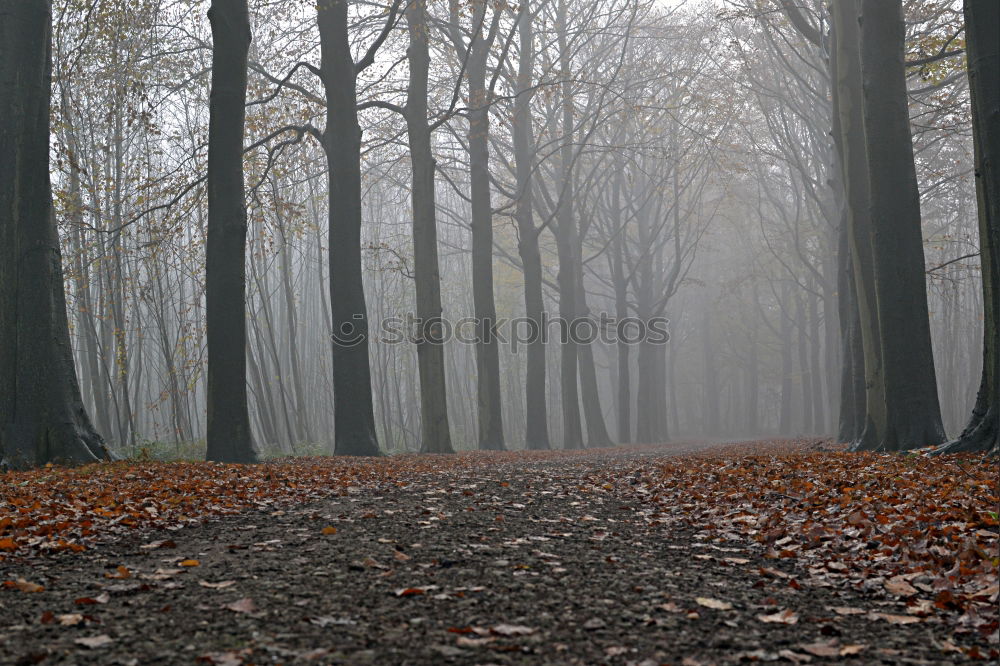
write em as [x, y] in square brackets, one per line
[536, 411]
[42, 417]
[475, 54]
[228, 427]
[354, 414]
[434, 426]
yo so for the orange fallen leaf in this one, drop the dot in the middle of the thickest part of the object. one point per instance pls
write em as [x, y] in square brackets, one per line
[329, 529]
[119, 573]
[102, 598]
[8, 544]
[189, 563]
[23, 585]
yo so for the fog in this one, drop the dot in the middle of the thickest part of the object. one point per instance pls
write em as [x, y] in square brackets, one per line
[633, 165]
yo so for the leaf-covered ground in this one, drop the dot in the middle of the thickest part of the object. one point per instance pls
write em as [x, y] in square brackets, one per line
[755, 552]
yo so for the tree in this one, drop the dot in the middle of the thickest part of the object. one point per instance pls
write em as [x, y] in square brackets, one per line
[434, 429]
[228, 428]
[982, 23]
[912, 415]
[474, 55]
[42, 417]
[849, 134]
[354, 425]
[536, 412]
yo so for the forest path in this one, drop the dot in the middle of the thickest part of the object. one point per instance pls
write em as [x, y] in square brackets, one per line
[546, 561]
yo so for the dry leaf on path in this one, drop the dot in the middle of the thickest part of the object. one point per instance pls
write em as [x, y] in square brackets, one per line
[244, 605]
[782, 617]
[23, 585]
[714, 603]
[94, 641]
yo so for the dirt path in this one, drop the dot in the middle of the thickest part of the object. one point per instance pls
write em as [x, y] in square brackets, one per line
[533, 562]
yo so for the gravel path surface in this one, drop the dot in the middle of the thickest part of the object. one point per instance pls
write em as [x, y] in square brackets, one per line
[553, 562]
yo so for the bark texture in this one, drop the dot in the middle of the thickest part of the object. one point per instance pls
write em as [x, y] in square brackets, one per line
[435, 434]
[982, 25]
[42, 417]
[536, 410]
[354, 413]
[228, 427]
[912, 415]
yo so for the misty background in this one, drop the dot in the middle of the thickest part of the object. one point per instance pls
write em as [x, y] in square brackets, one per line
[698, 170]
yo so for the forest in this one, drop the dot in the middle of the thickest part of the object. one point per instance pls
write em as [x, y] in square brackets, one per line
[419, 331]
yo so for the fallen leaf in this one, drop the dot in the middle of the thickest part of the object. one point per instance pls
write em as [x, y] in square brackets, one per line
[593, 623]
[782, 617]
[8, 544]
[847, 610]
[714, 603]
[70, 619]
[165, 543]
[512, 630]
[23, 585]
[189, 563]
[329, 529]
[221, 585]
[414, 591]
[120, 572]
[400, 556]
[102, 598]
[896, 619]
[822, 649]
[94, 641]
[244, 605]
[900, 587]
[850, 650]
[465, 641]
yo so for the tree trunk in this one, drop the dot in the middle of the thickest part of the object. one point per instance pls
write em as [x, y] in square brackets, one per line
[620, 282]
[912, 411]
[851, 122]
[42, 416]
[567, 241]
[489, 412]
[353, 410]
[536, 410]
[434, 429]
[229, 437]
[982, 24]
